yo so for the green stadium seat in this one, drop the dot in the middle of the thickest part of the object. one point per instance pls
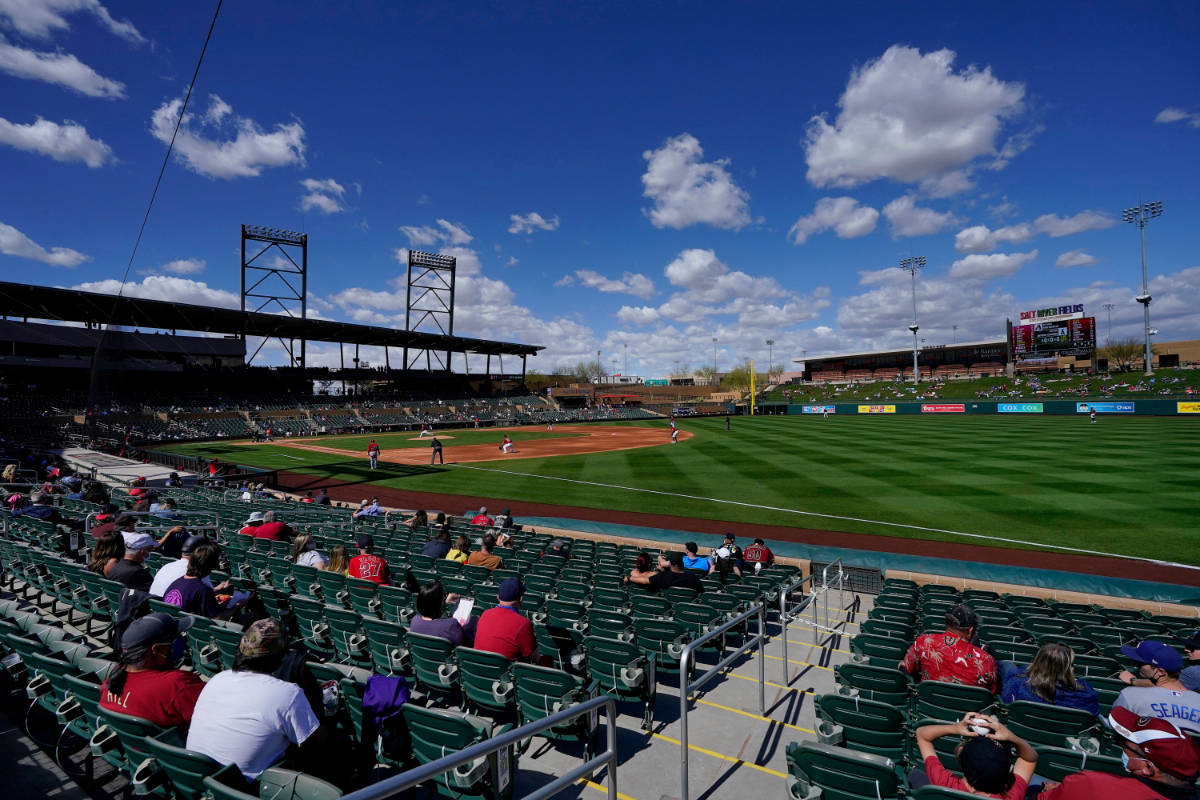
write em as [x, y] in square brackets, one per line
[486, 680]
[839, 774]
[865, 726]
[1056, 763]
[274, 784]
[882, 684]
[625, 672]
[879, 651]
[435, 733]
[541, 691]
[948, 702]
[184, 770]
[348, 636]
[664, 639]
[433, 664]
[610, 624]
[1049, 725]
[119, 739]
[386, 642]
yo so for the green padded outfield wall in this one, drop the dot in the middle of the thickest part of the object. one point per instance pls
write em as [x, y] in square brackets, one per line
[1146, 407]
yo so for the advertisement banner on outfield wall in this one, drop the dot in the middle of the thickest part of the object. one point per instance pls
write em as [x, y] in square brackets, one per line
[818, 409]
[1104, 408]
[943, 408]
[1019, 408]
[1187, 408]
[877, 409]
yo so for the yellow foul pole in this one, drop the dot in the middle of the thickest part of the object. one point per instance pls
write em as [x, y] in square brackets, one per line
[752, 387]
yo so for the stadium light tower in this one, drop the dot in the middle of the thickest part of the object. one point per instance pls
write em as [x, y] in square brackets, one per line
[1109, 307]
[911, 265]
[1140, 215]
[770, 355]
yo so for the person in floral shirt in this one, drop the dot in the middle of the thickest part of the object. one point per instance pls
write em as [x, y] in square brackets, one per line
[949, 656]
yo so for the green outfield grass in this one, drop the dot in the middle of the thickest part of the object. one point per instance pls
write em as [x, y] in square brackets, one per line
[1127, 485]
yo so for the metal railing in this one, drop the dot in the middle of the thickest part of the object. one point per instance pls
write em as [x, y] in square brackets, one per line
[391, 787]
[817, 600]
[215, 526]
[686, 685]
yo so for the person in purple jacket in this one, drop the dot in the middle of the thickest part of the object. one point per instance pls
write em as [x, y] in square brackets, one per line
[1049, 679]
[431, 604]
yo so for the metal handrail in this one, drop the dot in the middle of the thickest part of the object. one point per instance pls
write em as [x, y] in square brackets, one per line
[820, 621]
[391, 787]
[686, 686]
[787, 614]
[90, 520]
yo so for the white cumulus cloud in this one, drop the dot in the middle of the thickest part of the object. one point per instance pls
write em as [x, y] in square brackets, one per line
[323, 195]
[166, 287]
[533, 221]
[981, 238]
[1056, 226]
[906, 218]
[446, 232]
[66, 142]
[185, 266]
[58, 68]
[251, 149]
[843, 215]
[633, 283]
[15, 243]
[978, 266]
[1173, 114]
[908, 116]
[40, 19]
[688, 191]
[1075, 258]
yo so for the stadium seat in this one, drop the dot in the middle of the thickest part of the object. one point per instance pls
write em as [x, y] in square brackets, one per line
[184, 770]
[435, 733]
[274, 784]
[625, 672]
[1049, 725]
[542, 691]
[879, 651]
[862, 725]
[387, 646]
[610, 624]
[882, 684]
[348, 636]
[839, 774]
[120, 739]
[1056, 763]
[948, 702]
[433, 664]
[486, 680]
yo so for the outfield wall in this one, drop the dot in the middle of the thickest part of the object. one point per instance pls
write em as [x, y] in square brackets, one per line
[1149, 407]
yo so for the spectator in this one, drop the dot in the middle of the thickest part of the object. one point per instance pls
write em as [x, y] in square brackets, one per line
[484, 557]
[986, 759]
[106, 521]
[1049, 679]
[169, 573]
[171, 543]
[193, 593]
[644, 565]
[304, 552]
[308, 497]
[248, 717]
[692, 558]
[460, 550]
[482, 518]
[1159, 757]
[147, 681]
[949, 656]
[759, 555]
[504, 629]
[252, 524]
[726, 559]
[323, 498]
[368, 508]
[339, 559]
[1190, 676]
[670, 573]
[1162, 695]
[130, 570]
[430, 620]
[107, 553]
[503, 520]
[272, 529]
[174, 481]
[366, 565]
[439, 545]
[43, 510]
[418, 521]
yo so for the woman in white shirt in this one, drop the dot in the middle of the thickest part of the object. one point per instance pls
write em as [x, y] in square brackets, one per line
[304, 552]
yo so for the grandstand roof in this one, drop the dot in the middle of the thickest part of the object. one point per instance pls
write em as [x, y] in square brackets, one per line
[900, 350]
[70, 305]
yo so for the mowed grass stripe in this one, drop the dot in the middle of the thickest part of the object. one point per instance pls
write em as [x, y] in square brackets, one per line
[1124, 485]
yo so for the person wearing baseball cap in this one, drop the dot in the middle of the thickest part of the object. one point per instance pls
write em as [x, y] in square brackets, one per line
[1162, 761]
[147, 681]
[248, 717]
[1190, 676]
[504, 629]
[169, 573]
[1156, 691]
[131, 570]
[366, 565]
[950, 656]
[993, 760]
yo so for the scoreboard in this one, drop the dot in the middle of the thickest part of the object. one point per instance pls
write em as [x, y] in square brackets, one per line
[1068, 337]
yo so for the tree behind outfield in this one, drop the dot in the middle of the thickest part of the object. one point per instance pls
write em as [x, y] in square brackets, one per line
[1122, 353]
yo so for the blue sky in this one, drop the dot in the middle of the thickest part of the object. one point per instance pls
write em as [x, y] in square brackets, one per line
[623, 177]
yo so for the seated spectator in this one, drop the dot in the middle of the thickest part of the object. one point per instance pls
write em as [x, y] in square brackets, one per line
[670, 573]
[252, 524]
[273, 529]
[147, 681]
[339, 559]
[644, 565]
[106, 521]
[1190, 676]
[130, 570]
[482, 518]
[504, 629]
[949, 656]
[503, 520]
[430, 620]
[248, 717]
[460, 550]
[726, 559]
[368, 508]
[106, 553]
[758, 555]
[1158, 692]
[366, 565]
[439, 545]
[174, 481]
[323, 498]
[304, 552]
[559, 547]
[169, 573]
[986, 760]
[1162, 761]
[418, 521]
[171, 543]
[692, 558]
[483, 557]
[193, 594]
[1049, 679]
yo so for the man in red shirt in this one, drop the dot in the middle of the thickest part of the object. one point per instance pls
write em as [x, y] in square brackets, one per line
[1162, 762]
[273, 530]
[482, 518]
[253, 522]
[759, 555]
[504, 629]
[366, 565]
[950, 657]
[147, 681]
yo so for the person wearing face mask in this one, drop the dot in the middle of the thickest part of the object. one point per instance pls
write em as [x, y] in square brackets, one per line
[1156, 690]
[147, 681]
[1161, 760]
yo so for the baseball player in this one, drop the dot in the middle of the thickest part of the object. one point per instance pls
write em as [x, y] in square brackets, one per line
[507, 445]
[373, 454]
[435, 451]
[674, 434]
[424, 432]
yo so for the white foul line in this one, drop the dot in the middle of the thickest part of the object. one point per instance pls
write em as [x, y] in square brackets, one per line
[832, 516]
[294, 458]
